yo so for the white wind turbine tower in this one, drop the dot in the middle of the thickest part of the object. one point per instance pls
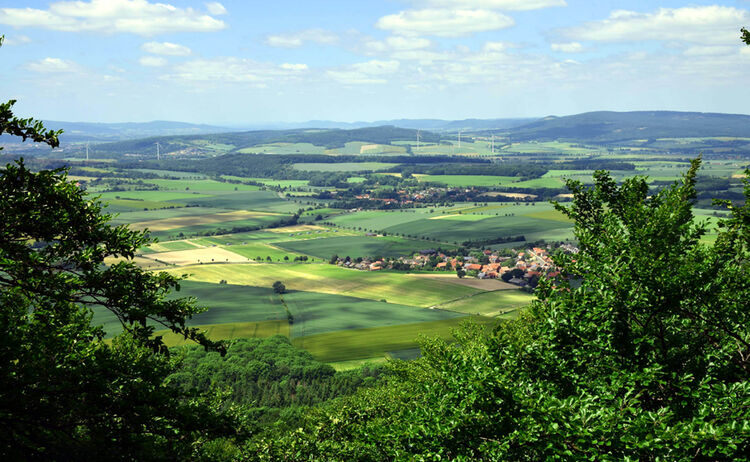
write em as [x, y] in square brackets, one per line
[493, 144]
[157, 152]
[418, 140]
[87, 152]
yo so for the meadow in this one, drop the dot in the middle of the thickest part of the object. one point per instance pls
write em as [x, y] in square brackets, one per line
[391, 287]
[344, 166]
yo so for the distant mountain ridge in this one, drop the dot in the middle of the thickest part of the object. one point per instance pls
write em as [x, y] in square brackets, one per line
[609, 126]
[95, 131]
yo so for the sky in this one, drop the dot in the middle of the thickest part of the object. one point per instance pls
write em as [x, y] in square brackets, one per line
[234, 63]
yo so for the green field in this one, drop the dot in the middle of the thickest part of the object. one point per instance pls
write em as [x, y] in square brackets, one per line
[161, 196]
[264, 201]
[344, 166]
[378, 341]
[468, 180]
[230, 331]
[284, 148]
[494, 303]
[355, 246]
[149, 215]
[324, 278]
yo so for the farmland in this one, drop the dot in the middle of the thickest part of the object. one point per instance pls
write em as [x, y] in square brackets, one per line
[236, 228]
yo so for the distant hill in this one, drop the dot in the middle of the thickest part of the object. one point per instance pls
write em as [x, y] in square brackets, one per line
[606, 126]
[233, 141]
[437, 125]
[76, 132]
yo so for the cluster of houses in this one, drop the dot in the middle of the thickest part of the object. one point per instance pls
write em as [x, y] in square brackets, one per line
[525, 267]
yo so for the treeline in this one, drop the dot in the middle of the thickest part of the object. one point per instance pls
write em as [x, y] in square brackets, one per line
[510, 169]
[280, 167]
[271, 378]
[328, 138]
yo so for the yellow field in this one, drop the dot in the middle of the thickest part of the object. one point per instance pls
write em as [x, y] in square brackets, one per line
[193, 256]
[230, 331]
[329, 279]
[296, 229]
[181, 222]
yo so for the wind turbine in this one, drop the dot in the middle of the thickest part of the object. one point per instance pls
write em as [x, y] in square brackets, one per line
[157, 152]
[418, 140]
[493, 144]
[87, 152]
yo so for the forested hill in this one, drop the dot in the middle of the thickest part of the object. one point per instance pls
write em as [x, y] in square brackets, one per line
[607, 126]
[328, 138]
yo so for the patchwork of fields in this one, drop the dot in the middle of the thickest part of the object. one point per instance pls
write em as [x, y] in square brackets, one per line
[233, 242]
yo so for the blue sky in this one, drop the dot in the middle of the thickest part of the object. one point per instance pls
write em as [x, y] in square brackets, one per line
[249, 62]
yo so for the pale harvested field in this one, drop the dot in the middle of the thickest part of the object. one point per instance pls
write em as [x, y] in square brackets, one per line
[295, 229]
[482, 284]
[205, 255]
[181, 222]
[511, 195]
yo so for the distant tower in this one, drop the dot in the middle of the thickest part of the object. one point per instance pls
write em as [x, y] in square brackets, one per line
[417, 140]
[87, 152]
[493, 144]
[157, 152]
[459, 139]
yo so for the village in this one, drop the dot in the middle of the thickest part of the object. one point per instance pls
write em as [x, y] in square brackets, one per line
[522, 267]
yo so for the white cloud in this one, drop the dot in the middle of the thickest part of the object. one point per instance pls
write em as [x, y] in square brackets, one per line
[52, 65]
[497, 4]
[138, 17]
[370, 72]
[232, 70]
[16, 40]
[700, 50]
[443, 22]
[297, 39]
[215, 8]
[166, 48]
[152, 61]
[700, 24]
[294, 67]
[495, 47]
[569, 47]
[395, 44]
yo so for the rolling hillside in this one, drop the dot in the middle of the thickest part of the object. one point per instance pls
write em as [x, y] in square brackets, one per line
[606, 126]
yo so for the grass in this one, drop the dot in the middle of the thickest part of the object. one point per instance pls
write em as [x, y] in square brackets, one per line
[177, 245]
[229, 331]
[355, 246]
[317, 313]
[377, 341]
[324, 278]
[226, 218]
[201, 186]
[148, 215]
[255, 221]
[160, 196]
[468, 180]
[493, 303]
[265, 201]
[344, 166]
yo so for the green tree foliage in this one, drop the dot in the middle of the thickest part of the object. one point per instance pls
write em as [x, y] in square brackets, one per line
[279, 287]
[273, 381]
[64, 392]
[641, 352]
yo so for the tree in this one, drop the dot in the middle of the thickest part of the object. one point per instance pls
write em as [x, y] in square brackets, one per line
[460, 272]
[641, 351]
[279, 287]
[65, 392]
